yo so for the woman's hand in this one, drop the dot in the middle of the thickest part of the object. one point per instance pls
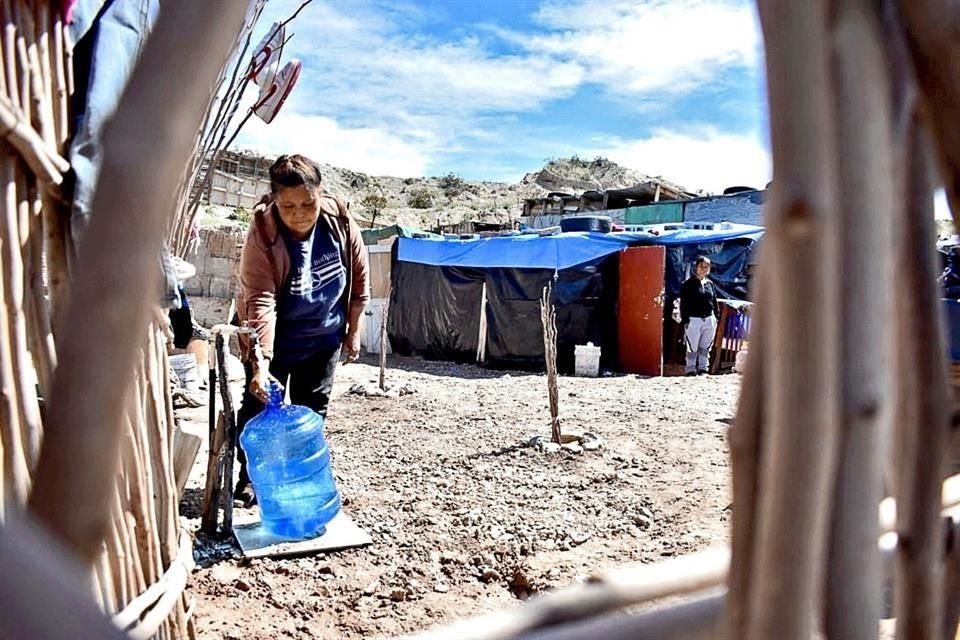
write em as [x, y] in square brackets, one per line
[261, 380]
[351, 346]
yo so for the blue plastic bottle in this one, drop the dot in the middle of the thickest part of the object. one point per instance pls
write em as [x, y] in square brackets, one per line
[289, 464]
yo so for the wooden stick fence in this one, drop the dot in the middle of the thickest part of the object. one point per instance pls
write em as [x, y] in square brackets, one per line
[863, 98]
[96, 466]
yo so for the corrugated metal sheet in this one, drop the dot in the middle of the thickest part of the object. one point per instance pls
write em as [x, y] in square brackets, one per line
[742, 208]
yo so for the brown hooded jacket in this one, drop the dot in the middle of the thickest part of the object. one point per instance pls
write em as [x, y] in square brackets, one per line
[265, 264]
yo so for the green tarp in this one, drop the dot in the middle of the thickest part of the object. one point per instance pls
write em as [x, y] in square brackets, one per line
[374, 236]
[662, 213]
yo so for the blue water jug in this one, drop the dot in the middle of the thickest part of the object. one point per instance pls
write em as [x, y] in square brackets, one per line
[289, 464]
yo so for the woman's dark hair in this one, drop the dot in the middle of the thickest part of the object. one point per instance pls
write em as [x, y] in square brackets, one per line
[294, 171]
[701, 260]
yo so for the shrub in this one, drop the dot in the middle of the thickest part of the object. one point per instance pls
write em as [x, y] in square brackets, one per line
[241, 214]
[452, 185]
[420, 199]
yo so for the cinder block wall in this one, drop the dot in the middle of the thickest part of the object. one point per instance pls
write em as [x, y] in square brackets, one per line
[216, 260]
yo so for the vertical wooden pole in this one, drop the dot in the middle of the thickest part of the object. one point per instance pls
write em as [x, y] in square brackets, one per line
[745, 456]
[922, 413]
[854, 596]
[18, 464]
[10, 249]
[385, 314]
[230, 435]
[548, 318]
[214, 483]
[800, 409]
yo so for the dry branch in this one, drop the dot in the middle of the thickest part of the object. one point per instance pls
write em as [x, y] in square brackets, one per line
[698, 619]
[548, 318]
[227, 453]
[745, 453]
[45, 162]
[110, 306]
[923, 414]
[383, 341]
[160, 597]
[11, 253]
[608, 591]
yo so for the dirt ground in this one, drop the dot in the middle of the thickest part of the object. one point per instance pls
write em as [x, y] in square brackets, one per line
[464, 516]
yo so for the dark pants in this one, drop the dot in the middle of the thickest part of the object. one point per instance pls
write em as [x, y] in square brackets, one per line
[310, 382]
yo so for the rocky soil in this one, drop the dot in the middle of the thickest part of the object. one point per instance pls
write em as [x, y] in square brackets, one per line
[465, 516]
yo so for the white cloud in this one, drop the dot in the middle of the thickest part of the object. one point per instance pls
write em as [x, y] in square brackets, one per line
[706, 159]
[365, 149]
[383, 92]
[659, 45]
[373, 61]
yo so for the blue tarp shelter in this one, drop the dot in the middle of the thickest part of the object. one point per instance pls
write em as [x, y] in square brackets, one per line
[438, 288]
[560, 251]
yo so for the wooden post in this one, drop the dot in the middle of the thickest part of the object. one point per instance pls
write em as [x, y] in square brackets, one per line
[800, 407]
[922, 412]
[385, 314]
[210, 509]
[854, 595]
[548, 318]
[725, 312]
[230, 435]
[745, 455]
[211, 491]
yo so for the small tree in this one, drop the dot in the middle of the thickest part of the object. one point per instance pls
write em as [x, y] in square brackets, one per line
[374, 203]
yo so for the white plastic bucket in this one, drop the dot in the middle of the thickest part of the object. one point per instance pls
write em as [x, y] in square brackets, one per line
[740, 362]
[586, 360]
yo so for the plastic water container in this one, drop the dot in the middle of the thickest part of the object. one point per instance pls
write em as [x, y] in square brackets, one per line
[289, 464]
[586, 360]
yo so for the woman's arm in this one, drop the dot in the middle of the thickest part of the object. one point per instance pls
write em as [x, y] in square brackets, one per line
[260, 306]
[259, 291]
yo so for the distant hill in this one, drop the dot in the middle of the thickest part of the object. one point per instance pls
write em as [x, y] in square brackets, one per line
[423, 202]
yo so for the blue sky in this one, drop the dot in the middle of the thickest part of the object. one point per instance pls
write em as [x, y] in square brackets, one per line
[490, 90]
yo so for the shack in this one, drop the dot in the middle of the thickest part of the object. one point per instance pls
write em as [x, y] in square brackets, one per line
[478, 300]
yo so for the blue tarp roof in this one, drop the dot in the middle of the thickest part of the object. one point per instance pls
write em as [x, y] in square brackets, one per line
[560, 251]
